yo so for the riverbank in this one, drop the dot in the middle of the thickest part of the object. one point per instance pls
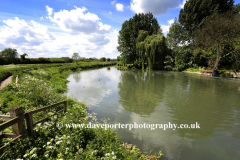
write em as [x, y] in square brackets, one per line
[208, 72]
[41, 87]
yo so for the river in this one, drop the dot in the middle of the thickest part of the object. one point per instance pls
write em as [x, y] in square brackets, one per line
[167, 98]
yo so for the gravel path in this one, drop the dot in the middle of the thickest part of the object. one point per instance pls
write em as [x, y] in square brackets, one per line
[5, 82]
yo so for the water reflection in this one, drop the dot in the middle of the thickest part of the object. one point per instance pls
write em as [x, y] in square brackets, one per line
[158, 97]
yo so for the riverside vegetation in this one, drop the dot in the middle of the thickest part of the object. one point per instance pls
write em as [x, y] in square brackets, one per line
[41, 87]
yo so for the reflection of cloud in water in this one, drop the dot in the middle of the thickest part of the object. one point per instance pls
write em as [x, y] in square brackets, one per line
[167, 140]
[92, 88]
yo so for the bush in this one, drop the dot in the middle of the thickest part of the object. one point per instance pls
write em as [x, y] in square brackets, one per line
[236, 66]
[103, 59]
[228, 75]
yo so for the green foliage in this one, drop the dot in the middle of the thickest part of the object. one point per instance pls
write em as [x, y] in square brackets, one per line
[228, 75]
[176, 34]
[130, 31]
[153, 48]
[23, 56]
[108, 59]
[75, 57]
[9, 54]
[118, 58]
[138, 63]
[236, 66]
[195, 12]
[53, 140]
[195, 68]
[103, 59]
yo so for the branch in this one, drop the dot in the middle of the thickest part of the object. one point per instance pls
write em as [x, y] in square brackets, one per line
[230, 53]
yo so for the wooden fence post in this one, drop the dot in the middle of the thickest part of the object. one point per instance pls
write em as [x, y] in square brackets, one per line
[65, 106]
[16, 80]
[29, 120]
[18, 128]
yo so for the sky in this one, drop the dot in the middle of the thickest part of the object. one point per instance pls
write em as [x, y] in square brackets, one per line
[59, 28]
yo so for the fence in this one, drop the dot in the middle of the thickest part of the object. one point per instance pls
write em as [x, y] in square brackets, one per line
[17, 121]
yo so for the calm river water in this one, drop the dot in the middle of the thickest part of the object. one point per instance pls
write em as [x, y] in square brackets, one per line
[160, 97]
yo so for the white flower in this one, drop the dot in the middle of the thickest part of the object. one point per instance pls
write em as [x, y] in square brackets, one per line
[31, 152]
[50, 147]
[68, 136]
[25, 155]
[58, 142]
[68, 142]
[44, 146]
[51, 140]
[34, 155]
[19, 159]
[114, 157]
[107, 154]
[48, 143]
[46, 155]
[67, 148]
[112, 153]
[96, 151]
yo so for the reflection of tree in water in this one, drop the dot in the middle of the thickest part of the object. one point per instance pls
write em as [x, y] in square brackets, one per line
[205, 101]
[77, 76]
[140, 92]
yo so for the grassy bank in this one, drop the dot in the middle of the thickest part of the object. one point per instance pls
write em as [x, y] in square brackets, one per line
[41, 87]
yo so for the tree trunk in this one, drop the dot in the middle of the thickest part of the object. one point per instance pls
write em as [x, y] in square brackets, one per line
[215, 68]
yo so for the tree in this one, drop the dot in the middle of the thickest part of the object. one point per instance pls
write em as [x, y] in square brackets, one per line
[195, 12]
[118, 58]
[23, 56]
[175, 36]
[218, 31]
[153, 48]
[108, 59]
[130, 31]
[75, 57]
[103, 59]
[9, 54]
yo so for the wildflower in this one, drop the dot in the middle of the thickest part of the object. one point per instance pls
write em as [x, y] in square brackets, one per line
[34, 155]
[19, 159]
[96, 151]
[58, 142]
[114, 157]
[67, 148]
[48, 143]
[46, 155]
[50, 147]
[31, 152]
[51, 140]
[112, 153]
[25, 155]
[68, 136]
[44, 146]
[68, 142]
[107, 154]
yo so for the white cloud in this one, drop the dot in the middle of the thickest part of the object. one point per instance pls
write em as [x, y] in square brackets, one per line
[110, 13]
[49, 10]
[36, 40]
[165, 28]
[18, 32]
[41, 18]
[119, 7]
[113, 2]
[183, 3]
[156, 7]
[76, 22]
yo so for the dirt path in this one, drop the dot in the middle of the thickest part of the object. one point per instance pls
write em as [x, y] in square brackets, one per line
[5, 82]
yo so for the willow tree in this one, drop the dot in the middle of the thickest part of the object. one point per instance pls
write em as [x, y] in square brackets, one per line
[140, 46]
[153, 48]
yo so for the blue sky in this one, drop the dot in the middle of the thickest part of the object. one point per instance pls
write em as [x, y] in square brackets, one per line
[58, 28]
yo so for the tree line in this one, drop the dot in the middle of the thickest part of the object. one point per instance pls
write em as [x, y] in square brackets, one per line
[206, 33]
[11, 56]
